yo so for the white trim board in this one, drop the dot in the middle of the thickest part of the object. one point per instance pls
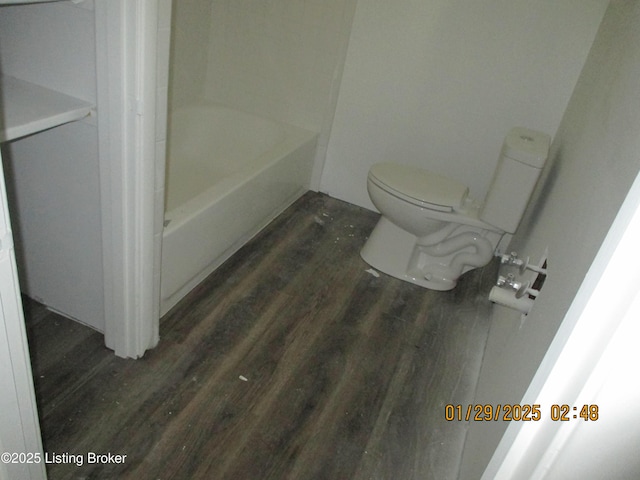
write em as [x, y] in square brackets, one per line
[126, 50]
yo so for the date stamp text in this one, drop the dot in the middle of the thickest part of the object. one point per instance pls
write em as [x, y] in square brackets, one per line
[518, 412]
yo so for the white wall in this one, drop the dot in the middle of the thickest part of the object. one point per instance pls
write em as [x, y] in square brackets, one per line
[51, 45]
[19, 425]
[438, 83]
[595, 158]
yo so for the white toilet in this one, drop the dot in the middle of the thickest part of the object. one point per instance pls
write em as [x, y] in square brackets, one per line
[431, 232]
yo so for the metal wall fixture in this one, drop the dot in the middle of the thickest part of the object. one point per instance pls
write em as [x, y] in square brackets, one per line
[515, 294]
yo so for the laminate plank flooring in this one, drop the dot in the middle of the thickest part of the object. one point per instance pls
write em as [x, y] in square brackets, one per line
[291, 361]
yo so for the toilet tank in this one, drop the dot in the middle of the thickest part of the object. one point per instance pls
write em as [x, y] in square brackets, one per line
[524, 153]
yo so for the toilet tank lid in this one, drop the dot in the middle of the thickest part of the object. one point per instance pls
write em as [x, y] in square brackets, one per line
[527, 146]
[419, 184]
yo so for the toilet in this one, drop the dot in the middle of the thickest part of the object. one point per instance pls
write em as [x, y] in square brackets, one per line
[431, 231]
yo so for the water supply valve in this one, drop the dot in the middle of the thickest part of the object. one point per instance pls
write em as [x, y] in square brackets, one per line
[521, 289]
[523, 265]
[511, 259]
[509, 282]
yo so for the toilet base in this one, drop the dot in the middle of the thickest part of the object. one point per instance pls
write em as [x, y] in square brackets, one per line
[396, 252]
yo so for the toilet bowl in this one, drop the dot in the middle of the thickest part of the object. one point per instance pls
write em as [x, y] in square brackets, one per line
[431, 232]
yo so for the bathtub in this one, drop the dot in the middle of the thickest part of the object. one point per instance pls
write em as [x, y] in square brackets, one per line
[228, 175]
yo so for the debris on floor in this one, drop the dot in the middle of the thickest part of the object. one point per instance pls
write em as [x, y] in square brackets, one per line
[373, 272]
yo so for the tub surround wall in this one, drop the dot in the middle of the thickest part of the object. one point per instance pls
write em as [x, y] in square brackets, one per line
[437, 84]
[593, 162]
[277, 59]
[281, 59]
[163, 41]
[191, 21]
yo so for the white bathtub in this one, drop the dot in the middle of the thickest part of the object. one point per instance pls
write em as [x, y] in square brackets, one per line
[228, 175]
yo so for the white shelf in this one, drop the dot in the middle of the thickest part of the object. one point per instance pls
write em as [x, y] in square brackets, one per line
[26, 108]
[22, 2]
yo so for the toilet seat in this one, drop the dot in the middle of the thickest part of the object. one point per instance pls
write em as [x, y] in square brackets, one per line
[419, 187]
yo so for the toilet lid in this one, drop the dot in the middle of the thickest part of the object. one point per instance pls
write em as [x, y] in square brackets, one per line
[419, 186]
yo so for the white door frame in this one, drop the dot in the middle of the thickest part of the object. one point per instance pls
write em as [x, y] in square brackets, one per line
[126, 33]
[126, 48]
[582, 354]
[19, 426]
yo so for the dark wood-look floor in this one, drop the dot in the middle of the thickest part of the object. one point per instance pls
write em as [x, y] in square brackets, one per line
[291, 361]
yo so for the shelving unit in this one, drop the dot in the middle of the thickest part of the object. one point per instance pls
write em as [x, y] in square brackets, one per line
[50, 151]
[28, 108]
